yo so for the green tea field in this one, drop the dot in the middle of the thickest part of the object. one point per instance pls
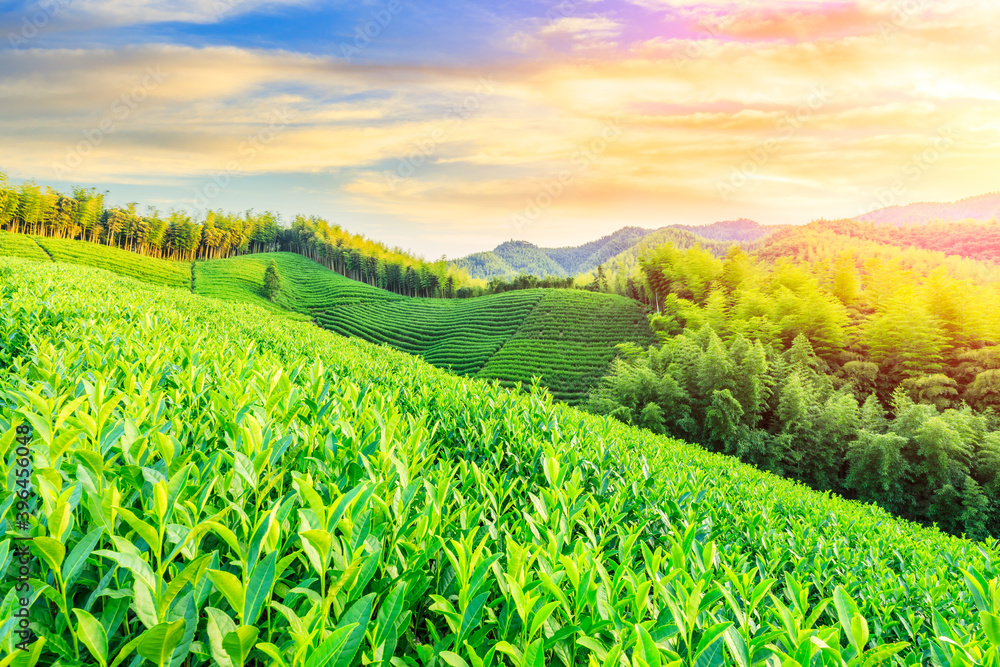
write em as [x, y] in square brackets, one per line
[215, 484]
[19, 245]
[148, 269]
[566, 337]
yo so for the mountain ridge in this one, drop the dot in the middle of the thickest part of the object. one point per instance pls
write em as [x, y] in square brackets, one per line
[979, 207]
[513, 257]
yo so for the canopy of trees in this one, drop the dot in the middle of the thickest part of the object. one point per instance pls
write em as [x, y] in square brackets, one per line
[785, 412]
[849, 371]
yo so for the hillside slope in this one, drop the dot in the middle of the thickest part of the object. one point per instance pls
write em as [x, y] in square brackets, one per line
[828, 239]
[258, 470]
[147, 269]
[514, 257]
[19, 245]
[732, 231]
[485, 337]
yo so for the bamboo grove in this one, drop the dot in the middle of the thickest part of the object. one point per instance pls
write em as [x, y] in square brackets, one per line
[30, 209]
[877, 377]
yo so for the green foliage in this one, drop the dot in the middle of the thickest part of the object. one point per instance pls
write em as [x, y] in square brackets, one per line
[567, 340]
[272, 281]
[565, 337]
[218, 485]
[619, 252]
[147, 269]
[782, 412]
[19, 245]
[49, 214]
[514, 257]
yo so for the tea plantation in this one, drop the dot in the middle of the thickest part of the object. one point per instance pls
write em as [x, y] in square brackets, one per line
[566, 337]
[568, 341]
[214, 484]
[19, 245]
[147, 269]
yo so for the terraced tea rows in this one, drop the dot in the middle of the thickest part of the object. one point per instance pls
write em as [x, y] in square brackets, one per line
[457, 334]
[306, 287]
[214, 484]
[567, 337]
[20, 245]
[568, 340]
[147, 269]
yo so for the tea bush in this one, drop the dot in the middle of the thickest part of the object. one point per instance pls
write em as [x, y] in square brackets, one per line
[566, 337]
[19, 245]
[214, 484]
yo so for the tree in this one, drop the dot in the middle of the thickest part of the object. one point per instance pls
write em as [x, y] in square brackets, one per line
[938, 390]
[723, 426]
[845, 279]
[877, 469]
[272, 281]
[985, 390]
[64, 217]
[975, 510]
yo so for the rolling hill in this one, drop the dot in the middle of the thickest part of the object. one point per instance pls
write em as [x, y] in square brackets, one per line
[219, 475]
[565, 337]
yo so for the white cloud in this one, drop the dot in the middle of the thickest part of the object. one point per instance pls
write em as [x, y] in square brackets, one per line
[580, 27]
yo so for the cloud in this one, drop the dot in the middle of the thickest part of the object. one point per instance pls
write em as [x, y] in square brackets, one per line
[693, 110]
[584, 27]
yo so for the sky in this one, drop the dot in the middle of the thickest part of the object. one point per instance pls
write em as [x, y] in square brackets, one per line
[446, 127]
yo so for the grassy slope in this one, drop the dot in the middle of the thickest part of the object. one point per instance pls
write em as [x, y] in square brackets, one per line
[682, 502]
[568, 340]
[146, 269]
[19, 245]
[564, 336]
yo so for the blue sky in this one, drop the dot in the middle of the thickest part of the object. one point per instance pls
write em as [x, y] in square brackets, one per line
[460, 125]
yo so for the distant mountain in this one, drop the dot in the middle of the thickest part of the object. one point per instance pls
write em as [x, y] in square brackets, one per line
[983, 207]
[586, 257]
[736, 231]
[515, 257]
[521, 256]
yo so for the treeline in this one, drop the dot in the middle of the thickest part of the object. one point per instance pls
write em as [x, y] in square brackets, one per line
[525, 281]
[821, 240]
[624, 271]
[974, 239]
[30, 209]
[599, 283]
[362, 259]
[831, 339]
